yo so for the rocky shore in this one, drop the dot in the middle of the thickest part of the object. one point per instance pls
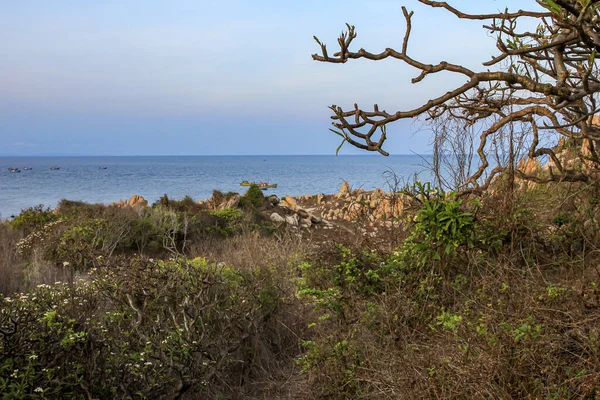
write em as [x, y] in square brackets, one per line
[320, 211]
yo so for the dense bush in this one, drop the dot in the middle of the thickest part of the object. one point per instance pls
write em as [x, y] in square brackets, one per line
[140, 328]
[33, 218]
[187, 204]
[253, 198]
[495, 298]
[497, 321]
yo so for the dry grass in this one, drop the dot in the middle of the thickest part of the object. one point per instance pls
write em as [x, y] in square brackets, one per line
[11, 274]
[19, 275]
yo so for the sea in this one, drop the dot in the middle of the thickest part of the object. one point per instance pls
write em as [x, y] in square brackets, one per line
[109, 179]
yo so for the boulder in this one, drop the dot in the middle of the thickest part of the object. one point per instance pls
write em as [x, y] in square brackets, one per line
[137, 201]
[345, 189]
[277, 218]
[320, 198]
[379, 194]
[290, 202]
[529, 166]
[291, 220]
[231, 203]
[302, 213]
[273, 199]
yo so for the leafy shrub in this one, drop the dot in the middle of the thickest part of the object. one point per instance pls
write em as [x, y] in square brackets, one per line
[187, 204]
[339, 294]
[79, 245]
[440, 226]
[81, 209]
[253, 198]
[228, 214]
[146, 328]
[33, 218]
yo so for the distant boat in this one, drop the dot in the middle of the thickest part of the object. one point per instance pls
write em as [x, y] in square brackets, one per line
[261, 185]
[54, 168]
[12, 169]
[27, 168]
[102, 167]
[266, 185]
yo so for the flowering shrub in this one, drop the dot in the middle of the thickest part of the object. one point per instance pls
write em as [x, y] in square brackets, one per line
[43, 238]
[137, 326]
[33, 218]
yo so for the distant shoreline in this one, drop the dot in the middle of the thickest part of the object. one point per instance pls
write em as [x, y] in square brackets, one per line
[210, 155]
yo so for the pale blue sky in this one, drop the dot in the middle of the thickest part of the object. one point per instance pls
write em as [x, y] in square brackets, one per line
[149, 77]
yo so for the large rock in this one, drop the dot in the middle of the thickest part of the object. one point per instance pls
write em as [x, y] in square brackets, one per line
[291, 220]
[137, 201]
[344, 190]
[231, 203]
[302, 213]
[273, 199]
[379, 194]
[277, 218]
[290, 202]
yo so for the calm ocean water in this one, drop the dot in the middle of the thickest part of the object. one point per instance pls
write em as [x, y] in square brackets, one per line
[79, 178]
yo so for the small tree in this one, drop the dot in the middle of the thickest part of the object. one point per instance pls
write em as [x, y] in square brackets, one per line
[543, 85]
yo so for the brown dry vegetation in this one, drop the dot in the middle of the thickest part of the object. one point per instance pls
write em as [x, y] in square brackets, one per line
[502, 302]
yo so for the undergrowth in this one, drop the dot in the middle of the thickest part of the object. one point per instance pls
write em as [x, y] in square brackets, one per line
[492, 297]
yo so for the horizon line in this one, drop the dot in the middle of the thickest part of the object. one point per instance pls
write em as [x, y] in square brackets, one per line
[208, 155]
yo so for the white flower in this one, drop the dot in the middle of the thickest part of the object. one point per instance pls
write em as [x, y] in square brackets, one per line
[39, 390]
[66, 264]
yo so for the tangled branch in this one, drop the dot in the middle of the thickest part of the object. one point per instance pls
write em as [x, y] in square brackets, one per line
[544, 81]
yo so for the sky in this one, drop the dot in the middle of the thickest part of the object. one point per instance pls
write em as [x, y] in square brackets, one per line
[212, 77]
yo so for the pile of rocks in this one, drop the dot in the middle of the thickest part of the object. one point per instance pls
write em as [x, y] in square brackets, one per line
[313, 211]
[217, 203]
[290, 213]
[135, 201]
[351, 205]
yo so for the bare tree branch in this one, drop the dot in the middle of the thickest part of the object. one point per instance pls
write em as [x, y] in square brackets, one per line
[545, 81]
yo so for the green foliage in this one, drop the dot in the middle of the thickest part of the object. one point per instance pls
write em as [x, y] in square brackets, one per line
[440, 227]
[79, 245]
[561, 219]
[449, 321]
[185, 205]
[334, 292]
[253, 197]
[341, 360]
[149, 328]
[228, 214]
[33, 218]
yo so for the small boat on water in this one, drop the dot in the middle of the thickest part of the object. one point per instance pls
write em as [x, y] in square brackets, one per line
[54, 168]
[12, 169]
[27, 168]
[102, 167]
[265, 185]
[261, 185]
